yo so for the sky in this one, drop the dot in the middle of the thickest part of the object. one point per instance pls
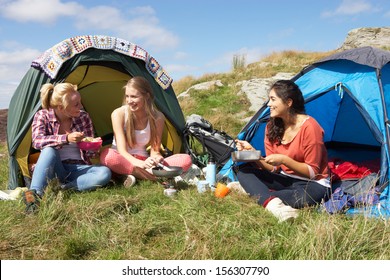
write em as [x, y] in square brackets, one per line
[188, 38]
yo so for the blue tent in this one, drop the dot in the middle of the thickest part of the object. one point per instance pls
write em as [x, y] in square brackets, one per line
[348, 93]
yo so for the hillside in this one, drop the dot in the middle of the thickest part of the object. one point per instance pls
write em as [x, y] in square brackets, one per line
[255, 75]
[3, 125]
[248, 84]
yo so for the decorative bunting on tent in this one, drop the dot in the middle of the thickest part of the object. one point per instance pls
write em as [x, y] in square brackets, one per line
[52, 59]
[103, 42]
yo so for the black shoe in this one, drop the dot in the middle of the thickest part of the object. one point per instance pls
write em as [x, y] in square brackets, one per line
[32, 201]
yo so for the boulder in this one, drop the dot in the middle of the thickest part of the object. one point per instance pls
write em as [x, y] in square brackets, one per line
[378, 37]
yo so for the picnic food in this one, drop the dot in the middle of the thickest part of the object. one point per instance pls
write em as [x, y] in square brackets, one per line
[91, 139]
[90, 143]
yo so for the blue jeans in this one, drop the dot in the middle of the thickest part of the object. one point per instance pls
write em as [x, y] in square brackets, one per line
[73, 176]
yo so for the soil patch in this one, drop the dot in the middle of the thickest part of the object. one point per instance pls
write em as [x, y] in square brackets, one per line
[3, 125]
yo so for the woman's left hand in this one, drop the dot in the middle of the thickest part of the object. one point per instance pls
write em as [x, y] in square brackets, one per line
[158, 158]
[274, 159]
[150, 163]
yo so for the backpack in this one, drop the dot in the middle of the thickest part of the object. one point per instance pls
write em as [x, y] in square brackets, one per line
[203, 140]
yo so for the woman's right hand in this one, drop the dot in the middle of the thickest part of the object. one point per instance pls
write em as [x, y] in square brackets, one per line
[75, 137]
[149, 163]
[243, 145]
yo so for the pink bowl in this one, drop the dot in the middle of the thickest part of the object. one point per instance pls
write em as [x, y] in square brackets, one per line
[90, 146]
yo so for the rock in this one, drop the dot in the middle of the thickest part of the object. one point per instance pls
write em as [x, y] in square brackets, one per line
[256, 90]
[378, 37]
[202, 86]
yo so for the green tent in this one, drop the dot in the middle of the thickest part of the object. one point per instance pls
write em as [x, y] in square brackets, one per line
[100, 66]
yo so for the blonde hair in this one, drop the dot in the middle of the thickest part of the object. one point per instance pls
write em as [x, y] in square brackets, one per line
[53, 96]
[142, 85]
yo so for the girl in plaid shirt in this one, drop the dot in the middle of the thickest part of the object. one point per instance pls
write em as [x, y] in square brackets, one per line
[56, 129]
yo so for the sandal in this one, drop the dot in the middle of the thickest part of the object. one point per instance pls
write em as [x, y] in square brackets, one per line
[32, 200]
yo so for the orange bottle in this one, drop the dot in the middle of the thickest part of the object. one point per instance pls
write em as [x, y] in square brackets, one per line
[221, 190]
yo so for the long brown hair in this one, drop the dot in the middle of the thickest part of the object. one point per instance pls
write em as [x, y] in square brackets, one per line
[285, 90]
[143, 86]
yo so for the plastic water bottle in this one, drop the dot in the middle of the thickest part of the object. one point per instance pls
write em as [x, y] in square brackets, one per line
[211, 172]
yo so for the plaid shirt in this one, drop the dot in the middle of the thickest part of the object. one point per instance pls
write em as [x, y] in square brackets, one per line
[45, 130]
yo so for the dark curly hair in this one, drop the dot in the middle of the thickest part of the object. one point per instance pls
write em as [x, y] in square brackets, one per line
[285, 90]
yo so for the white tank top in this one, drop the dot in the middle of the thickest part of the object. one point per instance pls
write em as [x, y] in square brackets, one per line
[142, 138]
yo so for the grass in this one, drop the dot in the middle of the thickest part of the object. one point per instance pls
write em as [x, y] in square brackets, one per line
[219, 105]
[239, 61]
[140, 223]
[270, 65]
